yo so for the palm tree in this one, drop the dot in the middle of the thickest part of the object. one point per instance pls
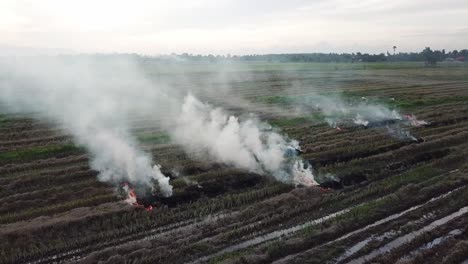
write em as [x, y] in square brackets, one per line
[394, 48]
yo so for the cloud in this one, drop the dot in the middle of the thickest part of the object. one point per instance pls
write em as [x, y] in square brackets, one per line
[227, 26]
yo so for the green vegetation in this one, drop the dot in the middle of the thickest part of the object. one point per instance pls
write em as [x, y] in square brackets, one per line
[349, 97]
[37, 152]
[408, 103]
[50, 209]
[354, 97]
[431, 57]
[419, 174]
[154, 138]
[293, 121]
[3, 119]
[276, 99]
[216, 207]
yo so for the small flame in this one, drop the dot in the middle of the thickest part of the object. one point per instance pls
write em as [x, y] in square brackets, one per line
[132, 197]
[303, 175]
[415, 122]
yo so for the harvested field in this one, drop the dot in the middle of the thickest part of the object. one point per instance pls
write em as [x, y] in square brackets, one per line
[389, 200]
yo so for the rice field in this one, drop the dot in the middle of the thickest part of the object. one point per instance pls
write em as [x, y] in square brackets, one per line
[381, 199]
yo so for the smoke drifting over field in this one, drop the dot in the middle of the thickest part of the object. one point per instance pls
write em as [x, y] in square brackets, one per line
[247, 144]
[362, 113]
[94, 98]
[336, 112]
[91, 100]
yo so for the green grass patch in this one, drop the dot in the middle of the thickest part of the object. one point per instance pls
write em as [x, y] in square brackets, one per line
[277, 99]
[419, 174]
[427, 102]
[393, 183]
[230, 256]
[154, 138]
[353, 95]
[3, 119]
[362, 211]
[289, 121]
[316, 117]
[310, 230]
[37, 152]
[286, 122]
[311, 99]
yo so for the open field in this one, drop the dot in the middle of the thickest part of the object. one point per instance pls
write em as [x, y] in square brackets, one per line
[395, 201]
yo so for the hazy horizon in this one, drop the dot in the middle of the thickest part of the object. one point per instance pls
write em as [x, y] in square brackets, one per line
[231, 27]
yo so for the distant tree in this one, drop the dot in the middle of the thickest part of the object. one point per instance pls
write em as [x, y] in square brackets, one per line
[429, 56]
[438, 55]
[464, 53]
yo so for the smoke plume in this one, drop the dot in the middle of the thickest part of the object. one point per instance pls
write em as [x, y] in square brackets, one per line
[246, 144]
[95, 99]
[335, 109]
[91, 100]
[337, 112]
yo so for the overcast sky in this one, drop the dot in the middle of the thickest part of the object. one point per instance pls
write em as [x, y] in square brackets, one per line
[232, 26]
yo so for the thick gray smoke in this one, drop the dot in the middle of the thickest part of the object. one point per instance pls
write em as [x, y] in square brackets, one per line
[92, 101]
[246, 144]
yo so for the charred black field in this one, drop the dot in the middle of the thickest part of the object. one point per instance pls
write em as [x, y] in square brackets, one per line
[390, 191]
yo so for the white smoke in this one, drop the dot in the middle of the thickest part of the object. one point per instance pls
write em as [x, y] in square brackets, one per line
[359, 120]
[92, 101]
[336, 110]
[246, 144]
[94, 97]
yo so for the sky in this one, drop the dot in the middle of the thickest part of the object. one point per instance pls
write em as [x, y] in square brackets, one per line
[155, 27]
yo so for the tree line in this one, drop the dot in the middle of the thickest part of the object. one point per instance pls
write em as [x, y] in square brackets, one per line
[427, 55]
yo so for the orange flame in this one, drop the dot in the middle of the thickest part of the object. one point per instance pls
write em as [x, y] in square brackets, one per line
[132, 198]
